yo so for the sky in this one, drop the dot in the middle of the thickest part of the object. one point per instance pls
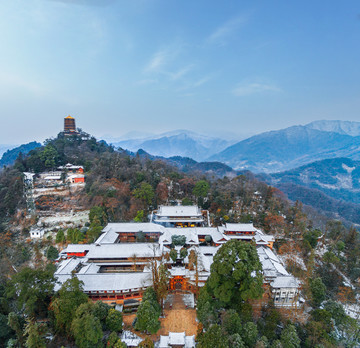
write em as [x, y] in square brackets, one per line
[214, 67]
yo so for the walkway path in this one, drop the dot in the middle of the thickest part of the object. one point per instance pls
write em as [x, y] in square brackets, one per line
[179, 318]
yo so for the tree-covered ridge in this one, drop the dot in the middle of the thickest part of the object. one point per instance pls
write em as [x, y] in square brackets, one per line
[9, 157]
[331, 186]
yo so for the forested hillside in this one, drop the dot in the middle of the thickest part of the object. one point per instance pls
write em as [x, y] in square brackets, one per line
[9, 157]
[121, 187]
[330, 186]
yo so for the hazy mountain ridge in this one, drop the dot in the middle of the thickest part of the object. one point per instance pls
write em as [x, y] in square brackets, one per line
[188, 165]
[342, 127]
[288, 148]
[177, 143]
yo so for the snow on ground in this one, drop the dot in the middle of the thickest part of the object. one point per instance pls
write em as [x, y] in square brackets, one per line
[347, 168]
[293, 258]
[60, 190]
[352, 310]
[189, 300]
[50, 191]
[321, 250]
[130, 338]
[64, 220]
[169, 299]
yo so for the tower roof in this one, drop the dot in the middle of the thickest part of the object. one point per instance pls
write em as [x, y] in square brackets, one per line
[69, 117]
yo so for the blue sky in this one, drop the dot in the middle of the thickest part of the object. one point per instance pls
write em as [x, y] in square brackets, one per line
[215, 67]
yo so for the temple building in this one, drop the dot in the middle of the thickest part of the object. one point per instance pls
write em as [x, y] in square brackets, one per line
[177, 339]
[115, 269]
[69, 126]
[180, 216]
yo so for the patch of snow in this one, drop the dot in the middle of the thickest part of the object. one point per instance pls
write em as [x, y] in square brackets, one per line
[189, 300]
[352, 310]
[347, 168]
[321, 250]
[294, 258]
[130, 339]
[64, 220]
[343, 182]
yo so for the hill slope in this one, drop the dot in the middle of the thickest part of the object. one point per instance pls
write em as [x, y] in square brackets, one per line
[188, 165]
[10, 156]
[337, 177]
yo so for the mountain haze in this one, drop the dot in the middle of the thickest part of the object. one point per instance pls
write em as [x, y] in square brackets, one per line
[342, 127]
[176, 143]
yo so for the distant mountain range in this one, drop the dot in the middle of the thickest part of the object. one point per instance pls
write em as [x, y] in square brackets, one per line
[294, 146]
[267, 152]
[341, 127]
[182, 143]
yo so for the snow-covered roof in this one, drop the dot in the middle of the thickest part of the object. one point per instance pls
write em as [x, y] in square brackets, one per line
[73, 176]
[178, 211]
[67, 266]
[177, 339]
[189, 233]
[214, 232]
[77, 248]
[111, 281]
[178, 271]
[70, 166]
[110, 232]
[271, 264]
[285, 282]
[240, 227]
[124, 250]
[208, 250]
[164, 342]
[52, 177]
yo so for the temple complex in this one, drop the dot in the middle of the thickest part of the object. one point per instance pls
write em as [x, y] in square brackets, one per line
[115, 268]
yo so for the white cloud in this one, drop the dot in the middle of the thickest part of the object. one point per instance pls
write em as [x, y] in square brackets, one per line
[161, 58]
[221, 34]
[203, 80]
[164, 57]
[180, 73]
[158, 60]
[253, 88]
